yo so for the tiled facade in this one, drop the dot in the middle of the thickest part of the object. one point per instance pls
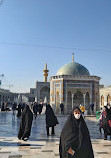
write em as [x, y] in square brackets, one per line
[65, 88]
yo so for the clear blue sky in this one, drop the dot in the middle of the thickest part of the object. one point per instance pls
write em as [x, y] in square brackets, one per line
[33, 32]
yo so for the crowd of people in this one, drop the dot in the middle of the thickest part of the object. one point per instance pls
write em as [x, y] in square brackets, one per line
[26, 112]
[75, 138]
[27, 118]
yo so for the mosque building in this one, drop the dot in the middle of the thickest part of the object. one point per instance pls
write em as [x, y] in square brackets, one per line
[72, 85]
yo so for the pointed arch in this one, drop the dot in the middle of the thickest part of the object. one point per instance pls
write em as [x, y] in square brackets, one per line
[108, 99]
[102, 100]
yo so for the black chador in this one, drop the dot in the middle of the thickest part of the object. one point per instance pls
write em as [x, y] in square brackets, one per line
[19, 111]
[26, 123]
[106, 117]
[75, 135]
[51, 119]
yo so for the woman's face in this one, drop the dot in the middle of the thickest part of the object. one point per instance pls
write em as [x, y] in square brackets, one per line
[77, 114]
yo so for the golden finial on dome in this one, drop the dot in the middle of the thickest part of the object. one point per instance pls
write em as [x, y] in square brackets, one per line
[72, 57]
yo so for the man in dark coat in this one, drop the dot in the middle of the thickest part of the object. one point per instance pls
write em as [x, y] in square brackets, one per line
[25, 124]
[75, 139]
[51, 119]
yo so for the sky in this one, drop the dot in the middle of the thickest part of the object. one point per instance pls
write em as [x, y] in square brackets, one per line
[33, 32]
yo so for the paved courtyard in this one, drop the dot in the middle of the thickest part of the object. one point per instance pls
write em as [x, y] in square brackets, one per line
[39, 145]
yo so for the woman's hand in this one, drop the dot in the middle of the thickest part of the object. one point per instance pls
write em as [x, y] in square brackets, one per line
[70, 151]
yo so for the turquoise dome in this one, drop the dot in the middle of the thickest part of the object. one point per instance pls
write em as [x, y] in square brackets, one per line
[73, 68]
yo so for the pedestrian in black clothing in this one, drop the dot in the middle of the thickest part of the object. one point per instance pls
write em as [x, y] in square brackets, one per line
[19, 111]
[51, 119]
[35, 109]
[92, 108]
[40, 108]
[25, 124]
[106, 119]
[62, 108]
[75, 139]
[14, 107]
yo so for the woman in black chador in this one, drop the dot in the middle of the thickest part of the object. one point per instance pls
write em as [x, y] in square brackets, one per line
[75, 139]
[51, 119]
[106, 119]
[26, 123]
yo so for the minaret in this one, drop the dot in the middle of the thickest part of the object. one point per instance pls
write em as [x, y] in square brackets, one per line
[72, 57]
[45, 73]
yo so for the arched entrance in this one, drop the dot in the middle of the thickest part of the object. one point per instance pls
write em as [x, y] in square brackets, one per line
[87, 102]
[57, 102]
[102, 100]
[78, 99]
[69, 101]
[45, 94]
[108, 99]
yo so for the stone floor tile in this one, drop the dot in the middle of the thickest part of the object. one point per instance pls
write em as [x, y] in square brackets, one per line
[39, 145]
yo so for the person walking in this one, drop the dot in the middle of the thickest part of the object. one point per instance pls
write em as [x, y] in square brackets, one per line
[35, 109]
[51, 119]
[40, 109]
[106, 119]
[75, 138]
[62, 108]
[14, 108]
[19, 111]
[25, 124]
[92, 108]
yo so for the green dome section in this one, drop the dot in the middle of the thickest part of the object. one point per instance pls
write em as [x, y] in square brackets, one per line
[73, 68]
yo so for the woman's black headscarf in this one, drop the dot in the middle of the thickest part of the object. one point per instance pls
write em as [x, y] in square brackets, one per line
[75, 134]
